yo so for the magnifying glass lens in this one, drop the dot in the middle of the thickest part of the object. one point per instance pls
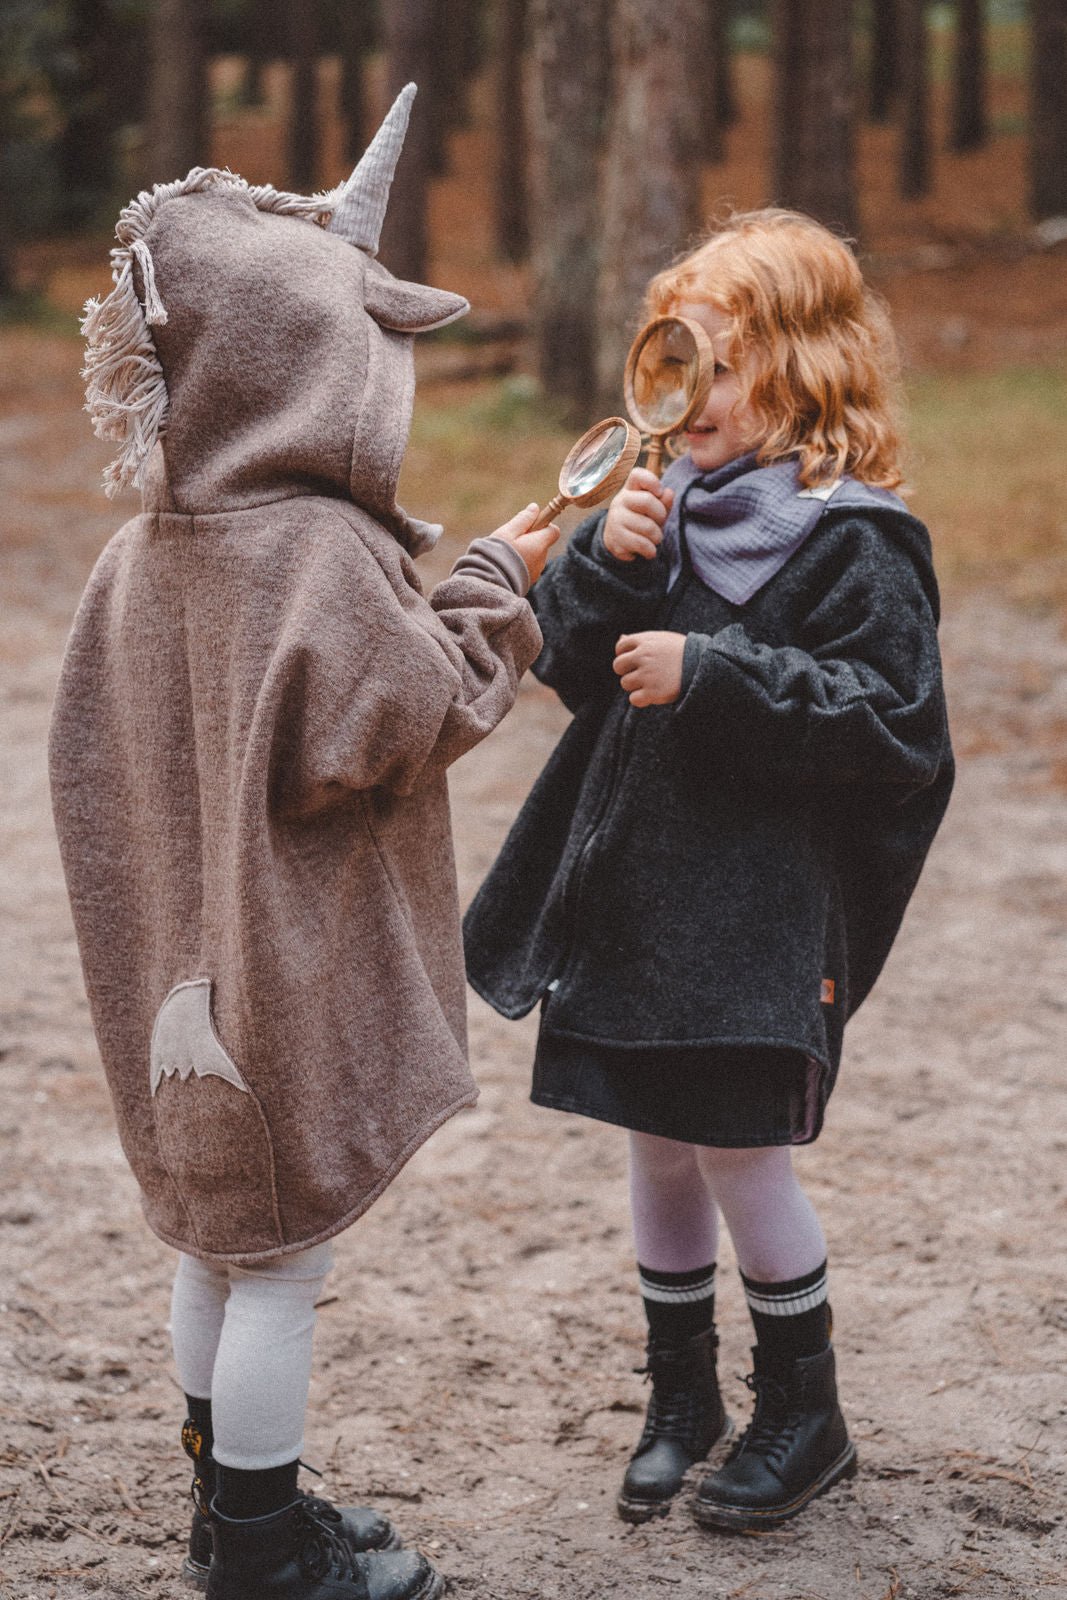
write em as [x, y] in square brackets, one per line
[596, 459]
[666, 375]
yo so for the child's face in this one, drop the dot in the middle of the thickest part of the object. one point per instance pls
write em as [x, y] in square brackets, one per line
[724, 429]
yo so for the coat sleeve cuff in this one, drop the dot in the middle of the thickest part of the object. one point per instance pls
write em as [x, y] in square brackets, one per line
[495, 561]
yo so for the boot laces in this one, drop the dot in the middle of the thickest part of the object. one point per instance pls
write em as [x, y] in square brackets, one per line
[775, 1420]
[325, 1551]
[675, 1407]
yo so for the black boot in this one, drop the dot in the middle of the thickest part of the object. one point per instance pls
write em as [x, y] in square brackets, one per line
[296, 1554]
[796, 1446]
[364, 1529]
[685, 1418]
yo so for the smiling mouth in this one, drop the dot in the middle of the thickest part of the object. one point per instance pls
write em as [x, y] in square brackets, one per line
[702, 433]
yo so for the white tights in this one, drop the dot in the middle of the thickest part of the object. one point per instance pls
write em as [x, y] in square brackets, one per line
[677, 1191]
[242, 1338]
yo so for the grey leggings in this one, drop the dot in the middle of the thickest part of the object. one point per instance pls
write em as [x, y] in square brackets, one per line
[242, 1338]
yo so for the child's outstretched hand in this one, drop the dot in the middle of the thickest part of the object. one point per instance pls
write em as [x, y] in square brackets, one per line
[650, 666]
[634, 523]
[532, 547]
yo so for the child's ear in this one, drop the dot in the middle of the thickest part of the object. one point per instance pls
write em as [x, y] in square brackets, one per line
[408, 307]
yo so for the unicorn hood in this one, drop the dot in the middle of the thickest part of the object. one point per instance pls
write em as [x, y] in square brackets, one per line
[256, 338]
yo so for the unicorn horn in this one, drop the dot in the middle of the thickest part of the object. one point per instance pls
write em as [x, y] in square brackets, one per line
[361, 209]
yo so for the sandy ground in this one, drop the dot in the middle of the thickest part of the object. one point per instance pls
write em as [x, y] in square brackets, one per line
[474, 1362]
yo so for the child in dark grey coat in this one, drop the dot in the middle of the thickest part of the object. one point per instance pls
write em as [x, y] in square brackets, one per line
[707, 877]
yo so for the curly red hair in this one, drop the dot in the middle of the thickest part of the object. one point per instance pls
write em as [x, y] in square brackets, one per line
[813, 344]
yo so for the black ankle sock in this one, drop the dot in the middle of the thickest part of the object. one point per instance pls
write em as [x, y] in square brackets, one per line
[678, 1305]
[255, 1494]
[200, 1417]
[792, 1319]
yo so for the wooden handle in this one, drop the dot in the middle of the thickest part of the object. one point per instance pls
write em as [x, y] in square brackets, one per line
[654, 459]
[558, 503]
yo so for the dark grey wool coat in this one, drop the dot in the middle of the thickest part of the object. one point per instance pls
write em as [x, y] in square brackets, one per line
[733, 868]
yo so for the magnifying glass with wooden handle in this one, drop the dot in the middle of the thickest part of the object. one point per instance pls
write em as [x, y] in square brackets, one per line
[669, 371]
[596, 467]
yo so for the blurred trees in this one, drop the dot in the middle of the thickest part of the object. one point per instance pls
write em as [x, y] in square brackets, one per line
[99, 96]
[410, 38]
[178, 115]
[511, 226]
[914, 160]
[1048, 109]
[814, 110]
[969, 126]
[568, 93]
[651, 184]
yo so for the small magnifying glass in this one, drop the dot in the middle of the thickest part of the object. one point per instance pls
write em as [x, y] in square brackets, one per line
[595, 468]
[669, 371]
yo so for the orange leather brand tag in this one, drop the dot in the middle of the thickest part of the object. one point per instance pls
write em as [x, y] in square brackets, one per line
[826, 995]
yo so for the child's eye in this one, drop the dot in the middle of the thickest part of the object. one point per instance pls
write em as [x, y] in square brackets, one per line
[720, 369]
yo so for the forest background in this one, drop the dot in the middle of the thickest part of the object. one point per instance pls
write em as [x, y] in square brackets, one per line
[475, 1355]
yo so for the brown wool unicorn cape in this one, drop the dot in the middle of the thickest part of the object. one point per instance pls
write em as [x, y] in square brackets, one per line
[256, 712]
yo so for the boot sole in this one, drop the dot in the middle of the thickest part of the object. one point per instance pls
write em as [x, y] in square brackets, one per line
[193, 1575]
[636, 1510]
[749, 1519]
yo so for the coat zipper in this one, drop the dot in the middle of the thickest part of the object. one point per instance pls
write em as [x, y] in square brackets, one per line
[573, 888]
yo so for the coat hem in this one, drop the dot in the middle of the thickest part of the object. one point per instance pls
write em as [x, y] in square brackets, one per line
[291, 1247]
[701, 1042]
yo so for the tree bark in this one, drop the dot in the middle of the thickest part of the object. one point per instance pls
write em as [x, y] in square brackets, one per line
[303, 136]
[408, 28]
[510, 187]
[814, 110]
[883, 72]
[969, 117]
[87, 88]
[1048, 109]
[712, 120]
[357, 38]
[726, 102]
[568, 84]
[915, 153]
[179, 120]
[652, 167]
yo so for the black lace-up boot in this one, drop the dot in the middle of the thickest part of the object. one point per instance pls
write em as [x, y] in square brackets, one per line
[685, 1418]
[299, 1554]
[794, 1448]
[364, 1528]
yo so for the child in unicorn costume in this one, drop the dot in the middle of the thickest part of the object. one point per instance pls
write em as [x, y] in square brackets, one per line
[249, 748]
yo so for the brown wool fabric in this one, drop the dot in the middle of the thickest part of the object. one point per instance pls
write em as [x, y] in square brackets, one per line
[249, 748]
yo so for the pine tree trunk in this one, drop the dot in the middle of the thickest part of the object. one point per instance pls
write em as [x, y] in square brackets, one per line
[357, 37]
[814, 111]
[1048, 109]
[652, 167]
[712, 120]
[969, 119]
[883, 72]
[409, 40]
[915, 155]
[179, 122]
[510, 188]
[304, 140]
[568, 88]
[726, 102]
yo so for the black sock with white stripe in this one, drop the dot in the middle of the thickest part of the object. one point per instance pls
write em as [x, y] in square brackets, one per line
[791, 1319]
[678, 1305]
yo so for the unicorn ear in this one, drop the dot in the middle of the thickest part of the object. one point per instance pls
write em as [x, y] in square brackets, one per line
[361, 210]
[409, 307]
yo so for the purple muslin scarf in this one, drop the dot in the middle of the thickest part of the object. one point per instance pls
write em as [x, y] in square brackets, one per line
[743, 522]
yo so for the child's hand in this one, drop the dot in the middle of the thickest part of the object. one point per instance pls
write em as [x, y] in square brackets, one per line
[634, 523]
[650, 667]
[532, 547]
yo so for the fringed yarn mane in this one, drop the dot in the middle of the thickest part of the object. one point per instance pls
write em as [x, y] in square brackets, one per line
[126, 393]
